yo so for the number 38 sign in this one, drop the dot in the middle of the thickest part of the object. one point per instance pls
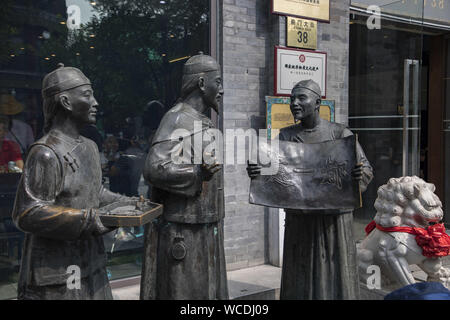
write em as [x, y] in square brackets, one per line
[301, 33]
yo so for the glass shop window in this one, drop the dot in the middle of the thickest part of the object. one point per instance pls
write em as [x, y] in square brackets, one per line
[133, 53]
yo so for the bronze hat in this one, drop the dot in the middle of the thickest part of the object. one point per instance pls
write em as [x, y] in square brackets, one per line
[200, 63]
[62, 79]
[311, 85]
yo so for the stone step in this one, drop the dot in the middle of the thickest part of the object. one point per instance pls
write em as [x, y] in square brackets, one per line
[255, 283]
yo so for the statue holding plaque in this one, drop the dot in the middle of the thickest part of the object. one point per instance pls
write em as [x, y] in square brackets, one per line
[61, 203]
[190, 259]
[321, 167]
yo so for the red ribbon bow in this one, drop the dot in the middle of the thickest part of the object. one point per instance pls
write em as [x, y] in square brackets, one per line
[434, 241]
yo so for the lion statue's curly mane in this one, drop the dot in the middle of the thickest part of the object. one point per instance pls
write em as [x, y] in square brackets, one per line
[410, 204]
[407, 201]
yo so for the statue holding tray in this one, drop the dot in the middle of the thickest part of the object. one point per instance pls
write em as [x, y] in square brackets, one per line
[319, 258]
[190, 258]
[60, 202]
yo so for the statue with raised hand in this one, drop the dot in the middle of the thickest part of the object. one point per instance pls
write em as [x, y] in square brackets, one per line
[188, 261]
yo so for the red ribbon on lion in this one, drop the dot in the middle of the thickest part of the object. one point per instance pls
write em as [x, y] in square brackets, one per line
[433, 240]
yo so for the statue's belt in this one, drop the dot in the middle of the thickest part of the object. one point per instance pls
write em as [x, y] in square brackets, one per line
[434, 241]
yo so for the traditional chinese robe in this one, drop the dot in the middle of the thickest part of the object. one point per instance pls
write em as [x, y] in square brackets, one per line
[319, 257]
[60, 186]
[184, 253]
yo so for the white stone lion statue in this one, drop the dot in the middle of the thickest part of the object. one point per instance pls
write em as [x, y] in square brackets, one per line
[405, 208]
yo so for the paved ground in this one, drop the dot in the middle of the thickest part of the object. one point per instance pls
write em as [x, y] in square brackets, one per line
[260, 282]
[263, 283]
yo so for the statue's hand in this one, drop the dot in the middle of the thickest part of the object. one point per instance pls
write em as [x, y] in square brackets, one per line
[253, 170]
[137, 199]
[357, 172]
[208, 170]
[99, 228]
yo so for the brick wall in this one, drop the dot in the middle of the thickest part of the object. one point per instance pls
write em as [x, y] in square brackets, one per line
[249, 34]
[246, 45]
[333, 38]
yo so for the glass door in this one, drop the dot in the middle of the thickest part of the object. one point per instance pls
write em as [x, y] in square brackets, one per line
[385, 96]
[446, 132]
[410, 119]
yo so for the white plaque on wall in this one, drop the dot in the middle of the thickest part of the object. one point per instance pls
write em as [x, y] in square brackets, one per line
[294, 65]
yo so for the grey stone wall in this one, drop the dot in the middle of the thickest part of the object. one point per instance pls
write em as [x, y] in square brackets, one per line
[249, 34]
[333, 38]
[245, 60]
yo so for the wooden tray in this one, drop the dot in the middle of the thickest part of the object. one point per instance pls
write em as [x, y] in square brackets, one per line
[150, 211]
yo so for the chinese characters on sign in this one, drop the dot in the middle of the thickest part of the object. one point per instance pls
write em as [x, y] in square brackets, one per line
[301, 33]
[311, 9]
[294, 65]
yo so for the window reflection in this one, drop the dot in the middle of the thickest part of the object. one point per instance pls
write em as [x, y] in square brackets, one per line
[133, 52]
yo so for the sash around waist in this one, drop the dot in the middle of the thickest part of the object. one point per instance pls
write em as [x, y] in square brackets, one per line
[192, 218]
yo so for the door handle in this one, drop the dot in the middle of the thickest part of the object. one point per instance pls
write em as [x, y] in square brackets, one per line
[414, 168]
[405, 155]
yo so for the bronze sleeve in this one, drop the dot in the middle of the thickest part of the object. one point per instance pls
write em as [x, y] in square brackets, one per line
[361, 158]
[162, 172]
[35, 210]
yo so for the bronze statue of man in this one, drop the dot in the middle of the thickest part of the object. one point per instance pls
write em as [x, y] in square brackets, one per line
[59, 196]
[190, 259]
[319, 257]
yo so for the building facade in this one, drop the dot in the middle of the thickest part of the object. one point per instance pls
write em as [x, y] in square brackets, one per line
[371, 56]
